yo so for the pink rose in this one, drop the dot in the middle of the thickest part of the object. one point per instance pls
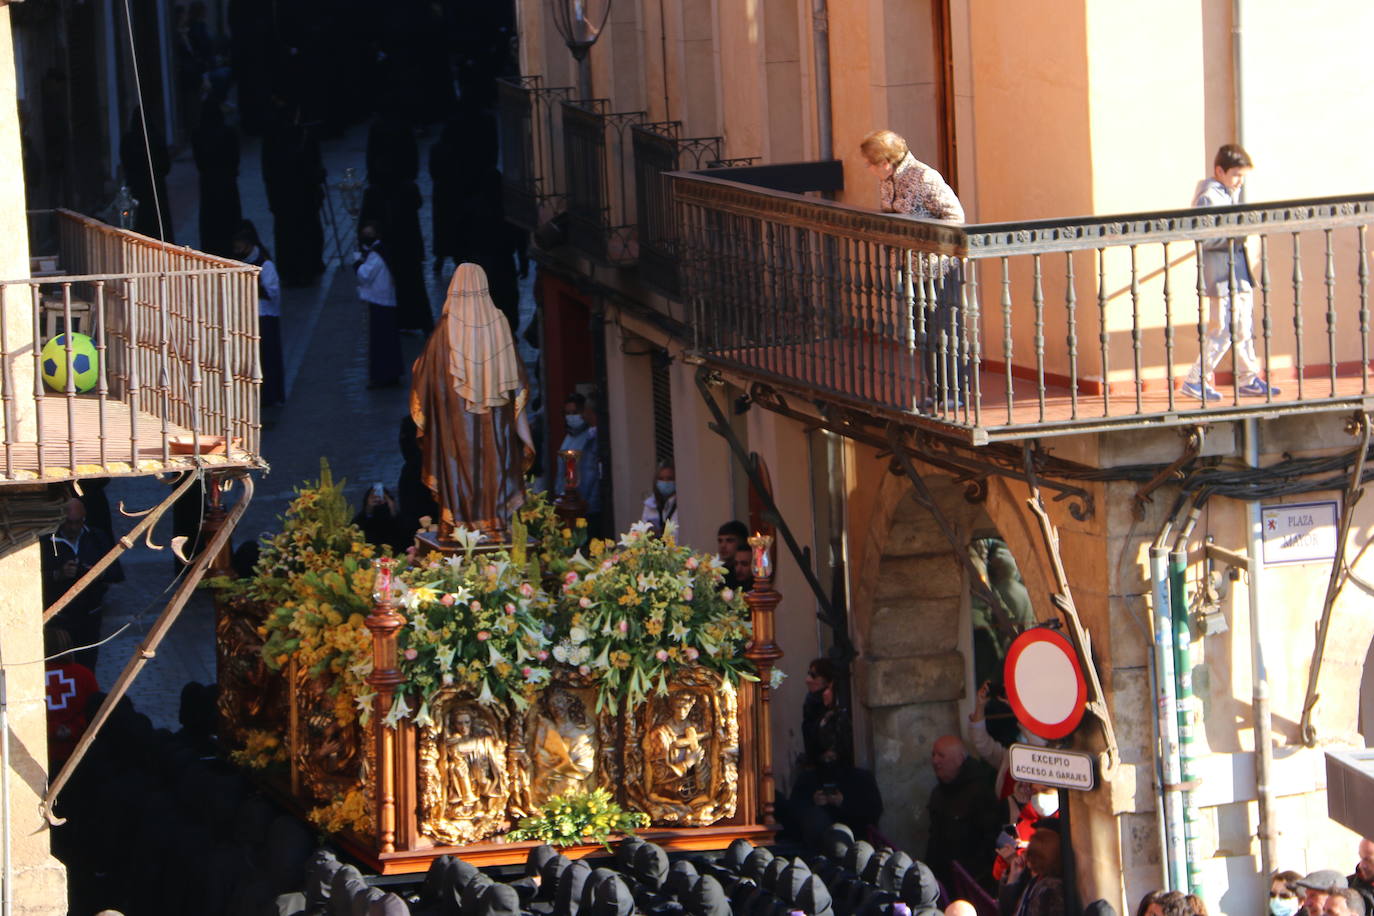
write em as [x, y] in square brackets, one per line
[510, 608]
[687, 594]
[526, 590]
[475, 605]
[483, 635]
[661, 655]
[692, 653]
[584, 602]
[492, 570]
[412, 654]
[526, 671]
[624, 626]
[542, 655]
[728, 595]
[447, 600]
[692, 563]
[569, 577]
[584, 669]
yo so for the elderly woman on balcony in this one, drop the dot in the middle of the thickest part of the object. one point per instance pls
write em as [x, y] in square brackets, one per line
[907, 185]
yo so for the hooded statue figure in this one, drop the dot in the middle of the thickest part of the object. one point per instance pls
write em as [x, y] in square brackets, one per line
[468, 400]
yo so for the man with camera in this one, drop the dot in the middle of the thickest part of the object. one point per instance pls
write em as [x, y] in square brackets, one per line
[68, 554]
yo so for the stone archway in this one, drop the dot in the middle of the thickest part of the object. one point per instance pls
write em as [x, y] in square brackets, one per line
[910, 619]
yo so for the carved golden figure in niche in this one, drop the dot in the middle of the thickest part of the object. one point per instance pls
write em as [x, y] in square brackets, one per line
[465, 774]
[561, 744]
[564, 747]
[682, 757]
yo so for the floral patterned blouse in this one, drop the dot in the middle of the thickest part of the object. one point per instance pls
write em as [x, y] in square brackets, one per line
[919, 190]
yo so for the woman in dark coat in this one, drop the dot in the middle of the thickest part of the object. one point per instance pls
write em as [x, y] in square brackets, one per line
[293, 172]
[147, 179]
[215, 146]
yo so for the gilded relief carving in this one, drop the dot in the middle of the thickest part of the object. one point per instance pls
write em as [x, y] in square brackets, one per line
[465, 774]
[563, 745]
[329, 757]
[251, 695]
[682, 752]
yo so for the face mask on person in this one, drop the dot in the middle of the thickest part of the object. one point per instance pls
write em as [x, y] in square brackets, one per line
[574, 422]
[665, 487]
[1284, 906]
[1045, 803]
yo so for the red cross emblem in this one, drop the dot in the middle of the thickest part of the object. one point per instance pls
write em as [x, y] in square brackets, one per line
[60, 690]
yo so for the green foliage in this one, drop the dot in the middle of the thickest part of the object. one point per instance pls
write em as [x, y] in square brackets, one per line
[579, 817]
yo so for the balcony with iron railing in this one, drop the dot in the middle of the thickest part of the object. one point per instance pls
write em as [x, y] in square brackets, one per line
[1059, 326]
[530, 122]
[173, 379]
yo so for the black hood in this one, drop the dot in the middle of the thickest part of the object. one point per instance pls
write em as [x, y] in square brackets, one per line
[613, 898]
[893, 870]
[651, 864]
[499, 900]
[755, 863]
[856, 859]
[837, 841]
[814, 898]
[707, 898]
[568, 897]
[736, 854]
[919, 887]
[534, 862]
[549, 874]
[681, 876]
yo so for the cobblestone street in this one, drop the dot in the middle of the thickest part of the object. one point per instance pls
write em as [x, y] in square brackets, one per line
[329, 413]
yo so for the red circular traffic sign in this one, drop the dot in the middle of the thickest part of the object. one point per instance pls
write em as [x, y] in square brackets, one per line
[1045, 685]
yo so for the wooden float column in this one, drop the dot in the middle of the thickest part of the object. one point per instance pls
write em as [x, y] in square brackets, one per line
[384, 622]
[763, 651]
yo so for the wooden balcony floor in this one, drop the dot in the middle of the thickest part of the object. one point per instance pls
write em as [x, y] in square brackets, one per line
[887, 380]
[75, 450]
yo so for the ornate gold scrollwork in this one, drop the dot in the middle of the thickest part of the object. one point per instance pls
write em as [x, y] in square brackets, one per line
[682, 752]
[466, 770]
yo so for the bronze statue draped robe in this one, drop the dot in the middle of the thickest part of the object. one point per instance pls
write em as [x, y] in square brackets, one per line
[476, 450]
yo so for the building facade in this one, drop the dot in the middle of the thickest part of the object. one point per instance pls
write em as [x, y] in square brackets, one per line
[755, 292]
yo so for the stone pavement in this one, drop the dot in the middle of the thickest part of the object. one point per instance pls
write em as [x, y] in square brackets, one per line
[329, 413]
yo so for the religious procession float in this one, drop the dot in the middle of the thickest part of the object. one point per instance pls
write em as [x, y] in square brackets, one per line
[507, 681]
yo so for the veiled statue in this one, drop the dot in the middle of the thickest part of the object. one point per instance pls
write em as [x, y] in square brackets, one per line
[682, 759]
[465, 776]
[468, 398]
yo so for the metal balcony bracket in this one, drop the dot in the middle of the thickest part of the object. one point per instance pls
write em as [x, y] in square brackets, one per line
[1078, 634]
[830, 612]
[147, 649]
[149, 518]
[902, 463]
[1194, 437]
[1358, 425]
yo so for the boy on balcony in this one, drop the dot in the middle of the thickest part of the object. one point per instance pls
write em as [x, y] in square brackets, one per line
[1226, 270]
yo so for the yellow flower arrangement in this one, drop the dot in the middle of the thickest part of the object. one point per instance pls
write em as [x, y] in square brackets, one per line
[579, 817]
[261, 750]
[349, 811]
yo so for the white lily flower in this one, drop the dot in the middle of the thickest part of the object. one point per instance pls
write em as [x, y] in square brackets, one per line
[495, 657]
[422, 718]
[679, 631]
[485, 697]
[445, 656]
[399, 710]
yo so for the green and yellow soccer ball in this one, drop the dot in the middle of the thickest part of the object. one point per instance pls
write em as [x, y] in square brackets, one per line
[85, 363]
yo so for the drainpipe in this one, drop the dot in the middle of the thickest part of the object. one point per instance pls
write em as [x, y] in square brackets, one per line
[1175, 858]
[1259, 675]
[7, 893]
[1188, 711]
[820, 48]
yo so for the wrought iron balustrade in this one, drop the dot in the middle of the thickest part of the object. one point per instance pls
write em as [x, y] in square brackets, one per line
[176, 370]
[659, 149]
[530, 120]
[1005, 331]
[601, 188]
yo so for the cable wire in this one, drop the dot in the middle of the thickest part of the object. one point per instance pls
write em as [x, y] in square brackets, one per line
[143, 121]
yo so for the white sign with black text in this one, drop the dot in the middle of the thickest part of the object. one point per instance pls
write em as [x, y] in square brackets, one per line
[1299, 532]
[1061, 769]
